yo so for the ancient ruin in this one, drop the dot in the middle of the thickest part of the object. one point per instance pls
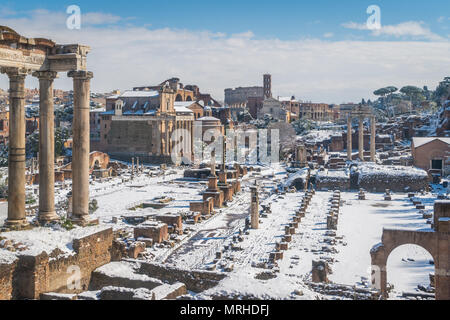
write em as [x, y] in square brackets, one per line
[436, 242]
[43, 59]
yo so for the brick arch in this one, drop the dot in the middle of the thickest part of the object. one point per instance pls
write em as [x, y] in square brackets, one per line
[393, 239]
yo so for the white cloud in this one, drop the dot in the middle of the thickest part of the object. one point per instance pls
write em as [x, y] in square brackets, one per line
[98, 18]
[414, 29]
[321, 71]
[328, 35]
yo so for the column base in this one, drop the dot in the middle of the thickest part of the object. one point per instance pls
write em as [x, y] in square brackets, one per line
[21, 224]
[83, 221]
[45, 217]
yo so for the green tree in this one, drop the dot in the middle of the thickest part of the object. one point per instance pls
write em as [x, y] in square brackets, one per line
[61, 136]
[415, 94]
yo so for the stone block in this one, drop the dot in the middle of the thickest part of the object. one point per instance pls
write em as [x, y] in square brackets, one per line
[157, 231]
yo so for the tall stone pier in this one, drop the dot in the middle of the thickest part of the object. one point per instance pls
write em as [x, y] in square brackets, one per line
[254, 208]
[80, 153]
[47, 211]
[349, 139]
[373, 134]
[361, 138]
[16, 162]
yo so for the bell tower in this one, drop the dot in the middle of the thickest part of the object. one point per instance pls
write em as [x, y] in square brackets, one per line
[267, 81]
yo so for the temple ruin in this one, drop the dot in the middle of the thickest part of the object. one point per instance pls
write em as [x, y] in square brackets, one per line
[361, 113]
[43, 59]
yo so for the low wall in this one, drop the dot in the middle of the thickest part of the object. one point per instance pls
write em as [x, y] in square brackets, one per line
[196, 281]
[395, 178]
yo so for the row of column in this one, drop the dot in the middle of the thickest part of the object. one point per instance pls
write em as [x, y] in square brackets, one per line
[17, 156]
[361, 138]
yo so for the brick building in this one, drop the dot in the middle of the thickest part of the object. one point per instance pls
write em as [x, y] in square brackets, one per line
[431, 154]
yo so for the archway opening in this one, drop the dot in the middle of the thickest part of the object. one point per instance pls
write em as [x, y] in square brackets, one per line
[179, 98]
[410, 269]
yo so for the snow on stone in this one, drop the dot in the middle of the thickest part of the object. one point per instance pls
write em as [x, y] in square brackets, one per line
[301, 174]
[371, 169]
[7, 257]
[40, 240]
[317, 136]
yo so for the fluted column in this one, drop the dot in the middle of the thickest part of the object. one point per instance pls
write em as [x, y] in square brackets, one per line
[47, 211]
[80, 153]
[373, 134]
[16, 159]
[361, 138]
[349, 139]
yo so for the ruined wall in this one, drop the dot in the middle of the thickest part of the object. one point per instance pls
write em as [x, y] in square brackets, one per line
[333, 180]
[379, 182]
[196, 281]
[6, 280]
[34, 275]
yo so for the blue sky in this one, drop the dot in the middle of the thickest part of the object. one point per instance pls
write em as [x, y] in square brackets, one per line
[317, 50]
[282, 19]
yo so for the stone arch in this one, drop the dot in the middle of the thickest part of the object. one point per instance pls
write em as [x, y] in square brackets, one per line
[179, 98]
[189, 98]
[393, 239]
[399, 271]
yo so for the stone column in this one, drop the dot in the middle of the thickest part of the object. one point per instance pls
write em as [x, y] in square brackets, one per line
[80, 154]
[349, 139]
[16, 163]
[47, 211]
[373, 134]
[361, 138]
[254, 208]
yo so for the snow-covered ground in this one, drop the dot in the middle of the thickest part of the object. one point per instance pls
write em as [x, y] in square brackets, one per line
[360, 228]
[361, 224]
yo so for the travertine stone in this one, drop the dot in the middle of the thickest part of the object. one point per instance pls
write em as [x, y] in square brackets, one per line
[80, 156]
[16, 165]
[46, 147]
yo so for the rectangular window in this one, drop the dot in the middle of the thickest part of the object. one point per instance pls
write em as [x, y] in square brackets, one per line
[436, 164]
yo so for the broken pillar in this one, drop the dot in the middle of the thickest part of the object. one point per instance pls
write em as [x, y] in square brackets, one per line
[254, 208]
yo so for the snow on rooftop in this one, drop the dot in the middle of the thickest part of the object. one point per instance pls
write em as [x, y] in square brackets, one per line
[139, 94]
[183, 103]
[208, 119]
[422, 141]
[182, 109]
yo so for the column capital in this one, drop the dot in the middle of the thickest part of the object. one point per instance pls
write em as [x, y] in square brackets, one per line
[81, 75]
[45, 75]
[15, 73]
